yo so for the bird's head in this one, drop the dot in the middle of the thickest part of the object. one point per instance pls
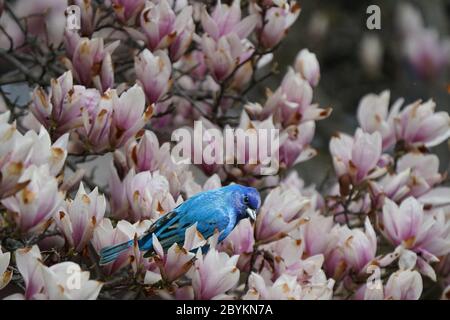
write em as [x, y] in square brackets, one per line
[248, 201]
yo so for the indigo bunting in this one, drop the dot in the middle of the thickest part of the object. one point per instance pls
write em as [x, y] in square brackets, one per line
[219, 209]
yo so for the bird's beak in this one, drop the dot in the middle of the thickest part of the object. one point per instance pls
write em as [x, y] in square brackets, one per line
[251, 213]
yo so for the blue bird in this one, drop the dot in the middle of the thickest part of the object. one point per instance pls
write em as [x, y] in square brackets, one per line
[219, 209]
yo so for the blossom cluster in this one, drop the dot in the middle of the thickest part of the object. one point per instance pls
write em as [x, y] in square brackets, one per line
[137, 70]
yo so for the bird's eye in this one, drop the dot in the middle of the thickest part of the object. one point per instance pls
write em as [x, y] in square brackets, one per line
[246, 200]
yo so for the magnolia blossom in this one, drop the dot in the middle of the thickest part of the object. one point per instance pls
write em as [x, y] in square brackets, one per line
[307, 65]
[115, 119]
[5, 274]
[147, 155]
[62, 281]
[427, 234]
[316, 233]
[153, 70]
[78, 218]
[419, 124]
[427, 54]
[224, 55]
[415, 175]
[279, 214]
[240, 242]
[423, 172]
[357, 156]
[18, 152]
[404, 285]
[143, 155]
[350, 249]
[213, 275]
[276, 21]
[66, 281]
[127, 10]
[43, 19]
[60, 110]
[28, 264]
[178, 260]
[140, 196]
[373, 116]
[226, 19]
[297, 148]
[285, 287]
[163, 29]
[106, 235]
[148, 195]
[91, 63]
[291, 102]
[35, 204]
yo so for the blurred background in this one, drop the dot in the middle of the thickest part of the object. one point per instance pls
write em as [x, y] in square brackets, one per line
[409, 55]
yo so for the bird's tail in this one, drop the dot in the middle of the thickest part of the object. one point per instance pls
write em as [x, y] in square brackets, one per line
[109, 254]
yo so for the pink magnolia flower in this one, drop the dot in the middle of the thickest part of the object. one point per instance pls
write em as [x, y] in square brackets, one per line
[91, 63]
[213, 275]
[106, 235]
[66, 281]
[286, 287]
[5, 274]
[416, 174]
[427, 54]
[18, 152]
[297, 147]
[37, 202]
[60, 281]
[276, 22]
[226, 19]
[307, 65]
[240, 242]
[291, 102]
[44, 19]
[143, 155]
[78, 218]
[357, 156]
[148, 195]
[176, 262]
[61, 108]
[315, 233]
[223, 56]
[163, 29]
[373, 116]
[404, 285]
[350, 249]
[28, 264]
[279, 214]
[425, 233]
[127, 10]
[115, 119]
[418, 124]
[423, 172]
[153, 71]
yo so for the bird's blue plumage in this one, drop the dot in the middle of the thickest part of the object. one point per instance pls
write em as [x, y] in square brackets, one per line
[220, 209]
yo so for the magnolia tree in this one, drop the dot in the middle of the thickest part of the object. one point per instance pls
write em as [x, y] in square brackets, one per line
[119, 77]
